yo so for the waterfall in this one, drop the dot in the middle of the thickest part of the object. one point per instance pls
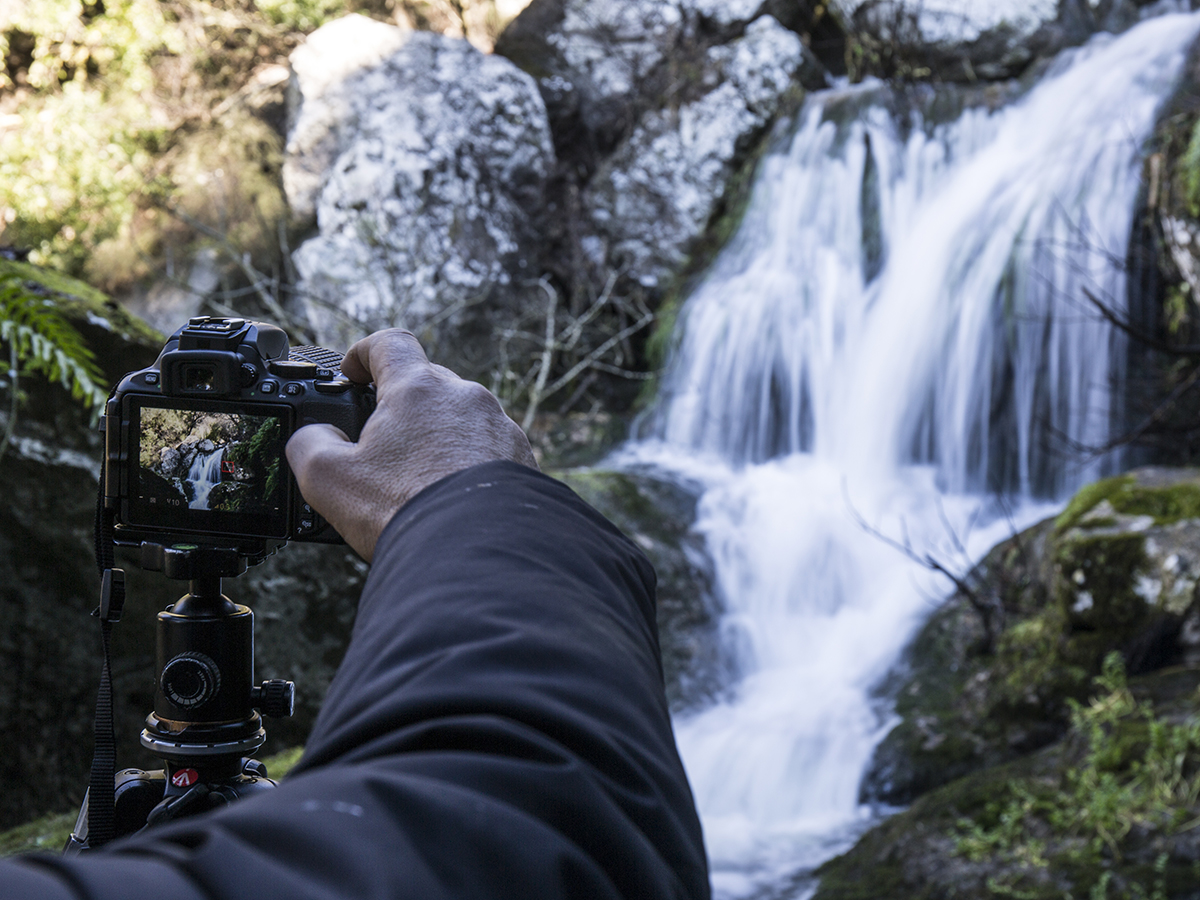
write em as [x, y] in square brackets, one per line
[899, 330]
[203, 475]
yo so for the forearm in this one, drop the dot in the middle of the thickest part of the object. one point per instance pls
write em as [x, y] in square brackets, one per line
[497, 728]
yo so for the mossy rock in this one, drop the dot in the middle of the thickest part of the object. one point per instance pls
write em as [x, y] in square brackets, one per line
[657, 515]
[1097, 586]
[1116, 570]
[927, 852]
[1164, 495]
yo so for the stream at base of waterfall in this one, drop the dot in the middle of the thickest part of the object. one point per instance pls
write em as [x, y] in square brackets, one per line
[896, 340]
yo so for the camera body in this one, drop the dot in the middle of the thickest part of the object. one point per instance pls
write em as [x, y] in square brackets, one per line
[194, 444]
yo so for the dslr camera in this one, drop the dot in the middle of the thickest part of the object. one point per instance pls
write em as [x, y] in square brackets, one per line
[194, 444]
[195, 475]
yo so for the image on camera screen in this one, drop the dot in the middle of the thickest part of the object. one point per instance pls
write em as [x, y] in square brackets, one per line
[210, 469]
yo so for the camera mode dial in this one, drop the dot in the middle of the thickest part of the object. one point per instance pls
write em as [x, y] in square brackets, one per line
[190, 680]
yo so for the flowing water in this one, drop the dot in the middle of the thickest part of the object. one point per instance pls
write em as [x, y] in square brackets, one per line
[899, 331]
[204, 474]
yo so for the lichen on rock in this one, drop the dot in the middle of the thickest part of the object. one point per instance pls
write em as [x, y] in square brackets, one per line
[430, 161]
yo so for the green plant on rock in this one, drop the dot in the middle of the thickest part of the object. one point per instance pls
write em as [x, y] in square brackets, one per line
[41, 340]
[1191, 173]
[1135, 770]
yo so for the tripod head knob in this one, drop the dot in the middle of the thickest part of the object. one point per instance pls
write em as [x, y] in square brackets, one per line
[275, 698]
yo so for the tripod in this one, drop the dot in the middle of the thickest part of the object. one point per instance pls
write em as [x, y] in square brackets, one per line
[206, 721]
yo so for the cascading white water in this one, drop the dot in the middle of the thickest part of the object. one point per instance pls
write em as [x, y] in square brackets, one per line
[204, 474]
[803, 391]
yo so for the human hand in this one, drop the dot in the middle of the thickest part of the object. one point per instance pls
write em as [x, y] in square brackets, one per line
[428, 423]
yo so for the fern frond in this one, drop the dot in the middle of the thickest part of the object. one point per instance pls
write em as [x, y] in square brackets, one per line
[47, 343]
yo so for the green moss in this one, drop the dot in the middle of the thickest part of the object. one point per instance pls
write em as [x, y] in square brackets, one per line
[49, 833]
[282, 763]
[620, 499]
[1191, 172]
[1164, 504]
[1088, 497]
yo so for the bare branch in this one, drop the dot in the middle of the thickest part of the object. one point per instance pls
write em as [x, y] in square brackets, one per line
[1137, 334]
[535, 395]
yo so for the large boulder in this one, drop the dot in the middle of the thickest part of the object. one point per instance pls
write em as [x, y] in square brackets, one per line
[1032, 766]
[656, 109]
[651, 201]
[424, 160]
[967, 40]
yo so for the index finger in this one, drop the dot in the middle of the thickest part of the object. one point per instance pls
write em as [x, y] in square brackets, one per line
[383, 356]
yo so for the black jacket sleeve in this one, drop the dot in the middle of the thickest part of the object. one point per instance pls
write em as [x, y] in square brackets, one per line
[498, 728]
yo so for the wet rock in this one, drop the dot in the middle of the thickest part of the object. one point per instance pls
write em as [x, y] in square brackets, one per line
[964, 41]
[1164, 274]
[657, 515]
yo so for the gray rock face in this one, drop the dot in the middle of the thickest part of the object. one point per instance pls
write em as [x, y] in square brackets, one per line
[322, 111]
[655, 107]
[441, 198]
[653, 198]
[425, 167]
[955, 21]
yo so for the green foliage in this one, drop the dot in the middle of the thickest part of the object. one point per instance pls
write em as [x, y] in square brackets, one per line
[41, 340]
[1191, 173]
[1177, 310]
[104, 101]
[69, 172]
[1136, 770]
[302, 15]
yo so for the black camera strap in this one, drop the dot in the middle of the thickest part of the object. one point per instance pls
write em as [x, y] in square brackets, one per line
[101, 787]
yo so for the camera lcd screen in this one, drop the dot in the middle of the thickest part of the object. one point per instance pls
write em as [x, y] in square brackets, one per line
[209, 466]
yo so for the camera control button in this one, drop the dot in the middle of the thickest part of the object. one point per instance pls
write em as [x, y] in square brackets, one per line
[268, 387]
[249, 374]
[292, 368]
[325, 374]
[151, 378]
[332, 387]
[293, 389]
